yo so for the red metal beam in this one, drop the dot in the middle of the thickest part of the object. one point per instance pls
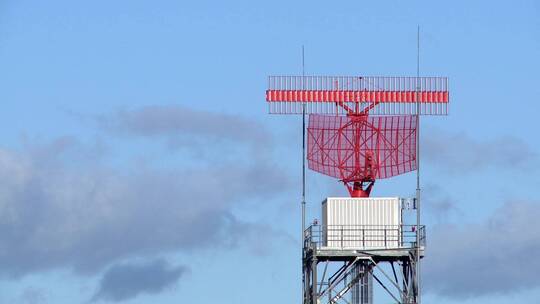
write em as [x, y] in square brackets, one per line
[339, 96]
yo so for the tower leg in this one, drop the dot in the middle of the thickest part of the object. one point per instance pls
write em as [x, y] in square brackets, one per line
[410, 283]
[314, 292]
[307, 281]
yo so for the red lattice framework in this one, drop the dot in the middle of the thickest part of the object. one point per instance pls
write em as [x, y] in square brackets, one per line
[360, 128]
[360, 149]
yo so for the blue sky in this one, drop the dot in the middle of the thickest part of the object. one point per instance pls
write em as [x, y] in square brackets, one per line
[136, 143]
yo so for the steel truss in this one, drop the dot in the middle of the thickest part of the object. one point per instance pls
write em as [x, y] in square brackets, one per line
[347, 276]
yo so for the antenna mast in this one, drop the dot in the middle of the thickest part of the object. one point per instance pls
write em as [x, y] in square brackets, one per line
[303, 174]
[303, 148]
[418, 167]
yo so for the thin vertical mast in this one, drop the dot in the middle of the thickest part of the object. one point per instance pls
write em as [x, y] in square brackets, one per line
[418, 291]
[303, 177]
[303, 148]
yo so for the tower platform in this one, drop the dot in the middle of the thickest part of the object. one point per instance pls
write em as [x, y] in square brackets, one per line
[381, 243]
[361, 241]
[354, 260]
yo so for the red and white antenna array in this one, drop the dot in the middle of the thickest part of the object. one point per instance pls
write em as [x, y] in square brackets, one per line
[360, 128]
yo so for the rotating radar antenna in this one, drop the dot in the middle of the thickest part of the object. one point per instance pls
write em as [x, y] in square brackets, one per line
[360, 129]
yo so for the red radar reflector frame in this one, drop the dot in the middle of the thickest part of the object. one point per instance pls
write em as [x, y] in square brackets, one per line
[360, 149]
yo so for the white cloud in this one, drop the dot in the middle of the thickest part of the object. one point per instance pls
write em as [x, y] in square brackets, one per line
[62, 208]
[457, 153]
[498, 256]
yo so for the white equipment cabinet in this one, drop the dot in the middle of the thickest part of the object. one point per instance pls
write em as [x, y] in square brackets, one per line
[363, 223]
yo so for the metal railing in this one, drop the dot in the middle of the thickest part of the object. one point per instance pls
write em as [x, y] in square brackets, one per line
[363, 236]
